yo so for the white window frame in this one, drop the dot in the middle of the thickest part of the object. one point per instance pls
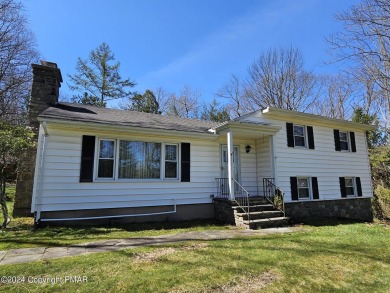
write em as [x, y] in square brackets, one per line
[348, 144]
[116, 178]
[353, 186]
[165, 160]
[304, 136]
[97, 160]
[308, 187]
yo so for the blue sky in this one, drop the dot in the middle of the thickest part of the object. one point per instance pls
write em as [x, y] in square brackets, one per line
[173, 43]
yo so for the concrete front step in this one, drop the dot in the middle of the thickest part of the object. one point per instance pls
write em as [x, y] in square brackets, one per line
[266, 223]
[255, 208]
[260, 214]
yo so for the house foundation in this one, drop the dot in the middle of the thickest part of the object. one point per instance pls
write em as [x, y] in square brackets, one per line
[350, 208]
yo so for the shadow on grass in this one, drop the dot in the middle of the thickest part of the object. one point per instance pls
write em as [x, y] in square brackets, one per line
[22, 233]
[321, 222]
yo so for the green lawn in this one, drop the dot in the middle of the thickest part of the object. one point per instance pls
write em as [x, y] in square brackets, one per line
[20, 233]
[333, 258]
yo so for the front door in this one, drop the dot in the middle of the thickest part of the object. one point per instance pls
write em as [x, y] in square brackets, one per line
[236, 163]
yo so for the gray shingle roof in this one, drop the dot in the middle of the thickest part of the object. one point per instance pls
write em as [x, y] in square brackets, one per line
[85, 113]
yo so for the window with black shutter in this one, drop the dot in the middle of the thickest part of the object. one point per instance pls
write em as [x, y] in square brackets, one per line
[294, 188]
[314, 187]
[344, 140]
[87, 158]
[299, 136]
[185, 162]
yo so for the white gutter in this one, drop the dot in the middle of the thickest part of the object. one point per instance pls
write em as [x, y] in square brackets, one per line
[282, 114]
[121, 128]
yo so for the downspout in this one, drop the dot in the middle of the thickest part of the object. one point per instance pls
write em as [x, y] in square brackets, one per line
[273, 160]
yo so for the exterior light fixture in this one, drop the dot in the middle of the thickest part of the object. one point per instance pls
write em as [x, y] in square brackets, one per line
[248, 148]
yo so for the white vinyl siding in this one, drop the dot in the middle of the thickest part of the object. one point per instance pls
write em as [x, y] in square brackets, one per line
[322, 162]
[61, 189]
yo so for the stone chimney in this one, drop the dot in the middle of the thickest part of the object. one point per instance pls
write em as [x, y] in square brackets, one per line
[46, 83]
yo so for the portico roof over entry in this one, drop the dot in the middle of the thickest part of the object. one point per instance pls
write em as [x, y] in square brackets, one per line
[245, 129]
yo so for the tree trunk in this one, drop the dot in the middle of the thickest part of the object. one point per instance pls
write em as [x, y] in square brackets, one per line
[3, 204]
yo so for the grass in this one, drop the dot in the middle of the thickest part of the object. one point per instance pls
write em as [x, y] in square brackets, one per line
[333, 258]
[20, 233]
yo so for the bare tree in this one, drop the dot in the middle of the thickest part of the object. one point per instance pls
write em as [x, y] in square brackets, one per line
[17, 52]
[278, 79]
[337, 97]
[186, 105]
[233, 91]
[365, 40]
[162, 97]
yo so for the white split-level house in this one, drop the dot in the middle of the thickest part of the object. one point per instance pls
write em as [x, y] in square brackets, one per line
[97, 164]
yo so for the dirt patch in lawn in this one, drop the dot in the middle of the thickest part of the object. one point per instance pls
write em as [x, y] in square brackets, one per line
[251, 283]
[158, 253]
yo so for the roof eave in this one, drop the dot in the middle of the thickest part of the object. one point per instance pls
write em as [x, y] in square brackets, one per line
[96, 126]
[247, 127]
[282, 113]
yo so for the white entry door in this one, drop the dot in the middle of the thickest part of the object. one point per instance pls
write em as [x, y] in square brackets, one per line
[236, 163]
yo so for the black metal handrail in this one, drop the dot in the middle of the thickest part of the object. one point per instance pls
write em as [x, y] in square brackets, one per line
[222, 187]
[273, 194]
[241, 195]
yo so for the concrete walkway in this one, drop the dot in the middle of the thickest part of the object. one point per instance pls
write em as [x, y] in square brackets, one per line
[41, 253]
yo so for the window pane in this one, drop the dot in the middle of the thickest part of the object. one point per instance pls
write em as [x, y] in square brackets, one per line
[348, 182]
[139, 160]
[344, 145]
[299, 131]
[303, 192]
[106, 168]
[170, 170]
[349, 191]
[302, 183]
[299, 141]
[343, 136]
[106, 149]
[170, 152]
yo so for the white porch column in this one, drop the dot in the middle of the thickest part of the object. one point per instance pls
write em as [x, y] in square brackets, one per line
[230, 151]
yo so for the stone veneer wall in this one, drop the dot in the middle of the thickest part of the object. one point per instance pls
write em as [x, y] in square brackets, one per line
[223, 211]
[350, 208]
[44, 93]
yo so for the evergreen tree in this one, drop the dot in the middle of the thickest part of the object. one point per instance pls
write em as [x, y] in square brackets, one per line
[376, 137]
[99, 77]
[145, 103]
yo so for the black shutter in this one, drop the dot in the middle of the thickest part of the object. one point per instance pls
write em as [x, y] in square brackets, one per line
[294, 188]
[342, 187]
[87, 158]
[358, 186]
[290, 134]
[336, 134]
[310, 137]
[314, 187]
[185, 162]
[353, 143]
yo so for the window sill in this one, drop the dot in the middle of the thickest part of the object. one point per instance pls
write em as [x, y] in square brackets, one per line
[135, 180]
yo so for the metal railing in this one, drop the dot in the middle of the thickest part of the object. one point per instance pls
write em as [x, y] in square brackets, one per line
[222, 187]
[273, 194]
[241, 195]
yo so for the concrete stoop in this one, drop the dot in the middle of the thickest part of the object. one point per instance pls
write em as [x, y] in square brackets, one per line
[262, 214]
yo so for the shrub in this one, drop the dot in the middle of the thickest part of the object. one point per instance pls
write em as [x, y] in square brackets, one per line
[381, 203]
